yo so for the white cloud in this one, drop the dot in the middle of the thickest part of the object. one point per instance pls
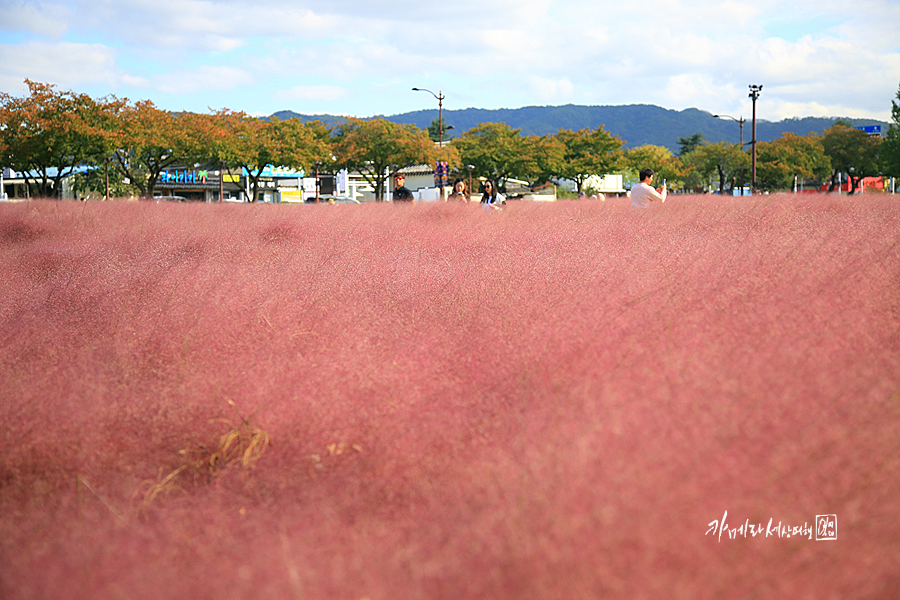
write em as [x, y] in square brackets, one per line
[136, 81]
[182, 25]
[203, 79]
[817, 55]
[45, 20]
[686, 88]
[551, 90]
[312, 92]
[65, 64]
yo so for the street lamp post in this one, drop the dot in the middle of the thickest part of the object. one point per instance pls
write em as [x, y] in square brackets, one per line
[470, 168]
[754, 93]
[440, 98]
[740, 122]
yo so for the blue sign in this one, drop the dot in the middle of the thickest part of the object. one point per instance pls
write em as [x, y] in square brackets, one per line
[870, 128]
[183, 176]
[276, 172]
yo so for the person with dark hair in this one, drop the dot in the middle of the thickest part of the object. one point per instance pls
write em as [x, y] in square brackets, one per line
[642, 194]
[460, 191]
[401, 192]
[491, 196]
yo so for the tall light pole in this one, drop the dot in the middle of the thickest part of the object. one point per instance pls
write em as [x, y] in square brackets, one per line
[754, 93]
[440, 98]
[740, 122]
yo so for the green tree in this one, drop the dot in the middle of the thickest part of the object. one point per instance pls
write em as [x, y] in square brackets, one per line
[779, 161]
[889, 155]
[434, 131]
[149, 140]
[661, 160]
[852, 152]
[689, 143]
[543, 157]
[50, 134]
[500, 152]
[720, 159]
[249, 144]
[372, 146]
[588, 152]
[94, 180]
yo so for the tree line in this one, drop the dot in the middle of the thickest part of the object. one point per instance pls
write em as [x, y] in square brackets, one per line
[841, 153]
[51, 134]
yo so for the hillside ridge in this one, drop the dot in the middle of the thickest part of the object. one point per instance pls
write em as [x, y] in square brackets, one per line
[636, 124]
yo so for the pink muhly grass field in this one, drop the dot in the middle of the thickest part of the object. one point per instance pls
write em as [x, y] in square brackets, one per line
[551, 401]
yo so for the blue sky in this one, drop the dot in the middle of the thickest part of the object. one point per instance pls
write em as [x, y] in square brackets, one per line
[348, 57]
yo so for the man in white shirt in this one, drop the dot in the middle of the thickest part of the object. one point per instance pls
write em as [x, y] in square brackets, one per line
[642, 194]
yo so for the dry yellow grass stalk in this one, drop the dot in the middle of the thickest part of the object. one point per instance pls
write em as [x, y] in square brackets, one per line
[243, 445]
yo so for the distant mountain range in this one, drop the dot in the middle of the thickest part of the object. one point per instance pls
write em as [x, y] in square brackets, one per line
[637, 124]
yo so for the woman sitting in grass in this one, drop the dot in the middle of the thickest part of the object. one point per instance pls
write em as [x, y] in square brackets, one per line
[460, 191]
[492, 198]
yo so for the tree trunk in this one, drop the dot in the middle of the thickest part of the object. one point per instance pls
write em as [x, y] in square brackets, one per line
[29, 189]
[43, 187]
[151, 185]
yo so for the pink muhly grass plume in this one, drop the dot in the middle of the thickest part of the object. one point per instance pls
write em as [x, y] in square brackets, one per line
[552, 400]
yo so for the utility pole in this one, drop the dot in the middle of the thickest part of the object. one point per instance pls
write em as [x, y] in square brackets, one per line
[754, 93]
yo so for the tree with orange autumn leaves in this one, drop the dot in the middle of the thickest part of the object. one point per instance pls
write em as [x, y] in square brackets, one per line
[49, 134]
[149, 140]
[375, 147]
[249, 145]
